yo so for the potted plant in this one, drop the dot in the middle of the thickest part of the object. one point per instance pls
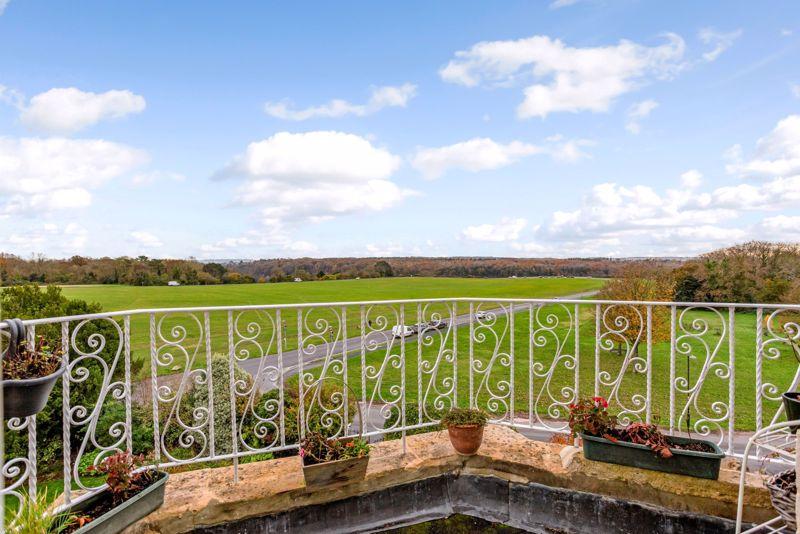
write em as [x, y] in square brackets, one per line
[131, 494]
[333, 462]
[640, 444]
[29, 373]
[465, 428]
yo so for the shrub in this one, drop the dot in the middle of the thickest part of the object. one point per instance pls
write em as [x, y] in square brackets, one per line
[464, 416]
[198, 398]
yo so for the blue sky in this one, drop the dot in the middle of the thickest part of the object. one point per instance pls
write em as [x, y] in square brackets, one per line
[532, 128]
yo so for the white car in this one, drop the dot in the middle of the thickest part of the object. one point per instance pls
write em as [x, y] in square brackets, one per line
[403, 331]
[480, 315]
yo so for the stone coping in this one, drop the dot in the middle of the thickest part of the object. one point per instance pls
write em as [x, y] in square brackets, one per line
[209, 496]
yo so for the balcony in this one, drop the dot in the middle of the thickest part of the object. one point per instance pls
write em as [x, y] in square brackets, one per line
[198, 388]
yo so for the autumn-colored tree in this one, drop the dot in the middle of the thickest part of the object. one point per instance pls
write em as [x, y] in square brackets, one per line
[642, 281]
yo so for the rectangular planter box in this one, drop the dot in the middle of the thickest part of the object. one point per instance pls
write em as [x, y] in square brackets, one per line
[126, 513]
[338, 473]
[689, 463]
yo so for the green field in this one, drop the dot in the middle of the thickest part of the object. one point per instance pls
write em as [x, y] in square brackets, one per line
[130, 297]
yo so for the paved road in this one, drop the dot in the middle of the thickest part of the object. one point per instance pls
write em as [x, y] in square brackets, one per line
[291, 359]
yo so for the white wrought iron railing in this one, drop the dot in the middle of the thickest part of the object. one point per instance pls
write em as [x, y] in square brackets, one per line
[196, 385]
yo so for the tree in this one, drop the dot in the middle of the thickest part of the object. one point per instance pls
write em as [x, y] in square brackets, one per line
[643, 282]
[383, 269]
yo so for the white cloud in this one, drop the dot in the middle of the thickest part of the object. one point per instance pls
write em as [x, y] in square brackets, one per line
[152, 177]
[58, 173]
[3, 5]
[776, 154]
[637, 112]
[691, 179]
[381, 97]
[309, 177]
[786, 32]
[558, 4]
[146, 239]
[10, 96]
[795, 87]
[67, 240]
[66, 110]
[481, 154]
[507, 229]
[721, 41]
[474, 155]
[568, 78]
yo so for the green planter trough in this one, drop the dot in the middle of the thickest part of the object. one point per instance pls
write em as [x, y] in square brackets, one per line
[125, 514]
[689, 463]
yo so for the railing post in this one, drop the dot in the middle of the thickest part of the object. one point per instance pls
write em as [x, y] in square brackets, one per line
[512, 391]
[672, 337]
[65, 416]
[403, 375]
[32, 467]
[759, 364]
[732, 376]
[281, 341]
[126, 337]
[577, 354]
[232, 386]
[530, 364]
[597, 312]
[419, 364]
[346, 388]
[154, 387]
[210, 383]
[363, 365]
[649, 397]
[471, 352]
[454, 326]
[301, 422]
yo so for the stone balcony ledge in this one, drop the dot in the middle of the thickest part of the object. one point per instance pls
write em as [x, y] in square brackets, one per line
[208, 497]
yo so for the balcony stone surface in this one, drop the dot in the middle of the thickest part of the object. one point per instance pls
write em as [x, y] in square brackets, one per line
[208, 497]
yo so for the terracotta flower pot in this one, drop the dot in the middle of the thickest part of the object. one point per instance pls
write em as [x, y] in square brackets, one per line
[466, 439]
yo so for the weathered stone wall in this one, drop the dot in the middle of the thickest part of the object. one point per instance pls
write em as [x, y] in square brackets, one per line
[209, 497]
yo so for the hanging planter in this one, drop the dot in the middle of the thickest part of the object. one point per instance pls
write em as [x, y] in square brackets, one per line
[465, 429]
[30, 371]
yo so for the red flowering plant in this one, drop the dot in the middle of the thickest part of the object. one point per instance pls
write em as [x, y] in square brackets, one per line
[590, 416]
[122, 478]
[316, 449]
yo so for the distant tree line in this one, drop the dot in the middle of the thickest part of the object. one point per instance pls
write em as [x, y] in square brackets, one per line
[141, 271]
[144, 271]
[283, 269]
